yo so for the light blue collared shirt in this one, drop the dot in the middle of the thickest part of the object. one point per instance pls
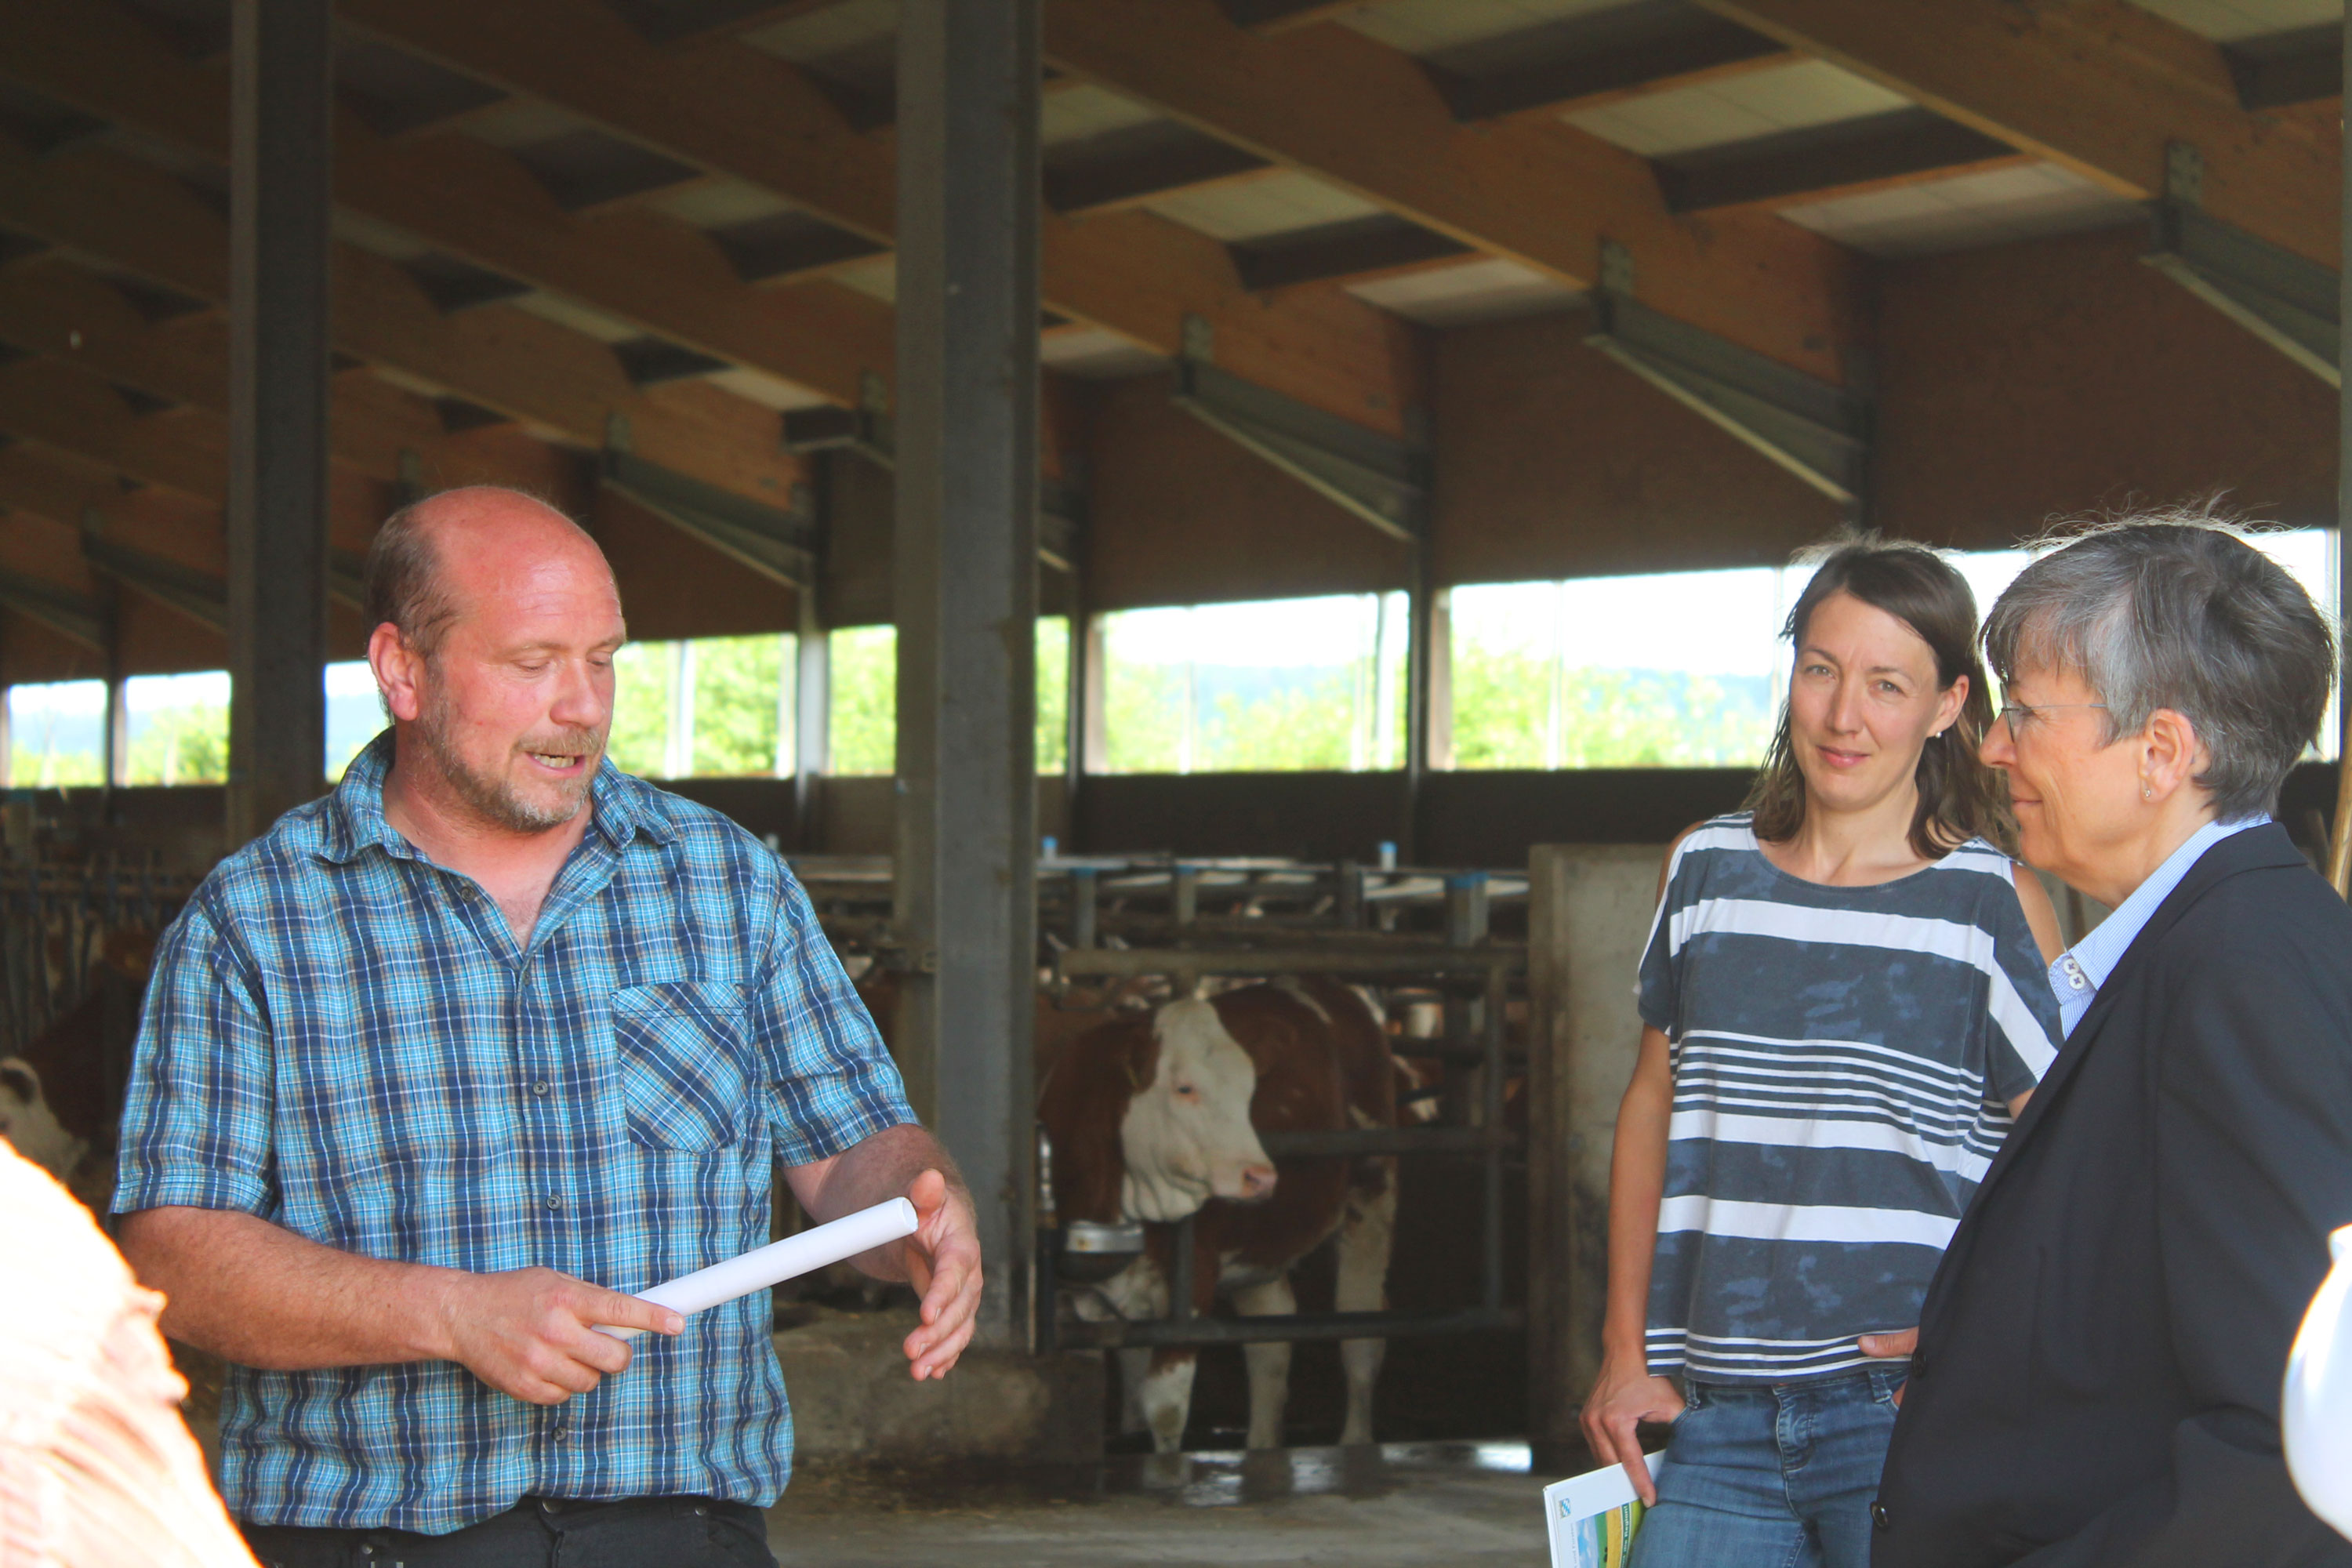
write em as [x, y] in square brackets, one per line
[2082, 969]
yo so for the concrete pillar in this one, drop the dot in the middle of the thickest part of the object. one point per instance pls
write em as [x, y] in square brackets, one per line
[965, 580]
[1589, 908]
[280, 188]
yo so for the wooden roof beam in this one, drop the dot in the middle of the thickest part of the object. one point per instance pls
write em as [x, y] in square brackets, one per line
[475, 202]
[723, 105]
[2100, 87]
[135, 218]
[1367, 118]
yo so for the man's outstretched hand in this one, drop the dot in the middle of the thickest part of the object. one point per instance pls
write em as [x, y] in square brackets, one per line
[943, 1263]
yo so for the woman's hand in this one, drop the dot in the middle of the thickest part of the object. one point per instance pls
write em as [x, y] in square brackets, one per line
[1626, 1396]
[1901, 1342]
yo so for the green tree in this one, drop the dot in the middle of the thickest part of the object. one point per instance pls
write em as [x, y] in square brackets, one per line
[1292, 728]
[864, 667]
[181, 746]
[738, 685]
[1052, 693]
[641, 673]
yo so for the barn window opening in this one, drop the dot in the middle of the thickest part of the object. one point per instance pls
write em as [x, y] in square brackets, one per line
[1267, 686]
[1667, 669]
[704, 708]
[1682, 669]
[57, 734]
[863, 665]
[177, 726]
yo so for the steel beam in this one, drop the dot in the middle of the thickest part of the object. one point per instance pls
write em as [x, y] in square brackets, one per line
[866, 432]
[282, 184]
[778, 545]
[76, 617]
[199, 596]
[2287, 300]
[966, 422]
[1818, 432]
[1383, 480]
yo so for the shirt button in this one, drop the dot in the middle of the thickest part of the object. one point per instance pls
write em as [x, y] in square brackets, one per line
[539, 1086]
[1879, 1517]
[553, 1202]
[561, 1433]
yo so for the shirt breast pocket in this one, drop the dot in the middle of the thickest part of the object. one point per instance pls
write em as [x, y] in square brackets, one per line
[683, 1063]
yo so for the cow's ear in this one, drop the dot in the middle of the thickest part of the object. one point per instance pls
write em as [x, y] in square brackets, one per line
[17, 1075]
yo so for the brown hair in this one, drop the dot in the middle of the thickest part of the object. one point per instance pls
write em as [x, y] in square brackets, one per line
[1960, 797]
[402, 581]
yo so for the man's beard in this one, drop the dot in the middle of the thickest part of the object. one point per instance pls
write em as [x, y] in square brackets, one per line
[496, 799]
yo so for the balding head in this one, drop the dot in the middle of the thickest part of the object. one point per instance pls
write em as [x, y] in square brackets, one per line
[405, 584]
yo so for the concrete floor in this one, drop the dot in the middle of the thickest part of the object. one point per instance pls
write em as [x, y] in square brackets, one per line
[1420, 1504]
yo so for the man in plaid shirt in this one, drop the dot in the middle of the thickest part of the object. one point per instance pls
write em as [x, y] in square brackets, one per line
[441, 1067]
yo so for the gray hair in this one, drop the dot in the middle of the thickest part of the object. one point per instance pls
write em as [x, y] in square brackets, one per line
[2175, 610]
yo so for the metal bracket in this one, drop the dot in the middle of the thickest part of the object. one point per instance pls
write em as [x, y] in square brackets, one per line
[2287, 300]
[828, 429]
[69, 615]
[1381, 479]
[2184, 172]
[199, 596]
[1819, 432]
[776, 544]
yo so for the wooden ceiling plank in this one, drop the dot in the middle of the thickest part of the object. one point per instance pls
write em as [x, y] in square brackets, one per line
[1367, 118]
[732, 110]
[59, 310]
[75, 411]
[129, 215]
[474, 201]
[2100, 87]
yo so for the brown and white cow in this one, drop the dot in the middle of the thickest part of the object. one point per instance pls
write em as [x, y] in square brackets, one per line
[1156, 1118]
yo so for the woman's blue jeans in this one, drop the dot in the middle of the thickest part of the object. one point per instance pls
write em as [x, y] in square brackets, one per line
[1772, 1476]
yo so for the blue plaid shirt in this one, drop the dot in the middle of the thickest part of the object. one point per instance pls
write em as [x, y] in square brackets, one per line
[345, 1039]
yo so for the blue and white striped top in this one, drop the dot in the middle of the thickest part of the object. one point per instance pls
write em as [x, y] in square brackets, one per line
[1842, 1059]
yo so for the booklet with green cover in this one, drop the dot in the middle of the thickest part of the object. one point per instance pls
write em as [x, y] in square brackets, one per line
[1590, 1518]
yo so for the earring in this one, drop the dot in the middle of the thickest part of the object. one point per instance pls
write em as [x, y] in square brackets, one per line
[2145, 792]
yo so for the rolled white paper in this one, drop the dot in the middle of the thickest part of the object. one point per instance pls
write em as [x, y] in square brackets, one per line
[779, 1260]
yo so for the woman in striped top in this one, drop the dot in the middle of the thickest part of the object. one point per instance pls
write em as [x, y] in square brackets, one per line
[1845, 1007]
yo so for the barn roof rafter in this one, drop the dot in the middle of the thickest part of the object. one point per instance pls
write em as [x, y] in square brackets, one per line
[1367, 118]
[2101, 87]
[730, 109]
[131, 217]
[475, 201]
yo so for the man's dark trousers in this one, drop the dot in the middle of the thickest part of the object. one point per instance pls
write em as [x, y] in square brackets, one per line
[2101, 1352]
[543, 1533]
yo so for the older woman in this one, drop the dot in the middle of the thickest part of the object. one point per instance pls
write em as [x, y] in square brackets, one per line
[2100, 1356]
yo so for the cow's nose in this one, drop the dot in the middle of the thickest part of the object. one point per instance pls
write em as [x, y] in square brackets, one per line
[1257, 1183]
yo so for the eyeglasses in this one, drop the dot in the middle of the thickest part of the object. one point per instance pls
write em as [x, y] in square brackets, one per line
[2017, 715]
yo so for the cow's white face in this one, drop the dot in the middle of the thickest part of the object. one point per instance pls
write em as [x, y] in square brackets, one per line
[1187, 1135]
[30, 1126]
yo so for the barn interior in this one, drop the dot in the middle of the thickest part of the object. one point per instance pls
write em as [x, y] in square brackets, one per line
[864, 335]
